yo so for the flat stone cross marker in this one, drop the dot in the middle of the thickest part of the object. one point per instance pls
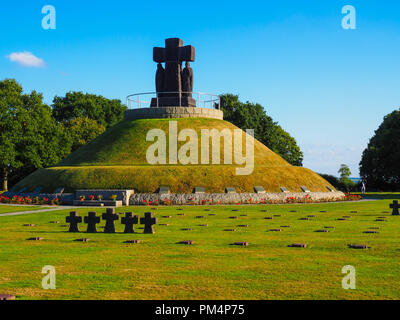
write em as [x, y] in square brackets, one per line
[129, 220]
[110, 216]
[73, 221]
[148, 222]
[395, 206]
[91, 221]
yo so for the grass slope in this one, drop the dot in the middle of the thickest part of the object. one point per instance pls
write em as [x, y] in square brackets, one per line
[117, 159]
[158, 268]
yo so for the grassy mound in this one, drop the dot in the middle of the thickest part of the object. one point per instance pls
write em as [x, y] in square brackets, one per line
[117, 159]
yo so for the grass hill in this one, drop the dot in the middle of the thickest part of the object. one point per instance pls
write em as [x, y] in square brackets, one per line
[117, 160]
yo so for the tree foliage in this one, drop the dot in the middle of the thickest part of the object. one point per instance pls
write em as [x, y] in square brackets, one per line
[380, 160]
[29, 136]
[252, 116]
[82, 131]
[344, 180]
[79, 105]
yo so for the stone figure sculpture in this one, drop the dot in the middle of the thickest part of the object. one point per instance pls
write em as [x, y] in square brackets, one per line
[169, 82]
[187, 80]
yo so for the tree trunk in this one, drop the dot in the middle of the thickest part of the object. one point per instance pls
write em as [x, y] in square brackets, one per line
[5, 179]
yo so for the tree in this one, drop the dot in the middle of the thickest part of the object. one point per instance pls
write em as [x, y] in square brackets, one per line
[344, 180]
[30, 138]
[79, 105]
[82, 131]
[252, 116]
[10, 108]
[380, 160]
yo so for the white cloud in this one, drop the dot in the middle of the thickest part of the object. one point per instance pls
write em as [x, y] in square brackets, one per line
[26, 59]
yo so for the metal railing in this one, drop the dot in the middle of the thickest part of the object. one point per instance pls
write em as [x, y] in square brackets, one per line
[154, 99]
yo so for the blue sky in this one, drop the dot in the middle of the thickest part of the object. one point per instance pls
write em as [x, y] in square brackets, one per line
[328, 87]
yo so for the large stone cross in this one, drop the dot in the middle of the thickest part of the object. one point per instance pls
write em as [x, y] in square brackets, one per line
[169, 80]
[110, 216]
[395, 206]
[91, 221]
[148, 222]
[129, 220]
[73, 221]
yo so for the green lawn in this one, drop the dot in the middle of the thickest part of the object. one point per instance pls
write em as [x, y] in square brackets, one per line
[10, 209]
[158, 268]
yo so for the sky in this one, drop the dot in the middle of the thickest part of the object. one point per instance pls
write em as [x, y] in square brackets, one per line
[329, 87]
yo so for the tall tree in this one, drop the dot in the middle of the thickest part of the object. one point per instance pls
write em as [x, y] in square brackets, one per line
[253, 116]
[344, 181]
[79, 105]
[10, 108]
[380, 160]
[30, 138]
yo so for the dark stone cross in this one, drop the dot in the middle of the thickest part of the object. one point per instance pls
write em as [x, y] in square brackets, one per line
[73, 221]
[174, 85]
[91, 221]
[395, 206]
[148, 222]
[129, 220]
[110, 216]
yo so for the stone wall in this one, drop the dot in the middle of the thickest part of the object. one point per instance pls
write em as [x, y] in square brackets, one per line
[231, 198]
[173, 112]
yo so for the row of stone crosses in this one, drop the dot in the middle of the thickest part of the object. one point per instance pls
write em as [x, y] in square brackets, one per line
[110, 217]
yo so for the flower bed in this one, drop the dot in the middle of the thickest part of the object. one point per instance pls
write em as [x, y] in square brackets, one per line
[30, 200]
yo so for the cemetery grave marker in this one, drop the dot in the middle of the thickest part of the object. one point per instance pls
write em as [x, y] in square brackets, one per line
[199, 190]
[372, 232]
[230, 190]
[129, 220]
[358, 246]
[35, 239]
[163, 190]
[148, 222]
[187, 242]
[73, 221]
[91, 221]
[243, 244]
[395, 206]
[285, 190]
[298, 245]
[132, 241]
[110, 216]
[305, 189]
[322, 231]
[259, 190]
[83, 240]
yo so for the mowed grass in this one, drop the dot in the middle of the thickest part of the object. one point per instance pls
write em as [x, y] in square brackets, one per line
[159, 268]
[11, 209]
